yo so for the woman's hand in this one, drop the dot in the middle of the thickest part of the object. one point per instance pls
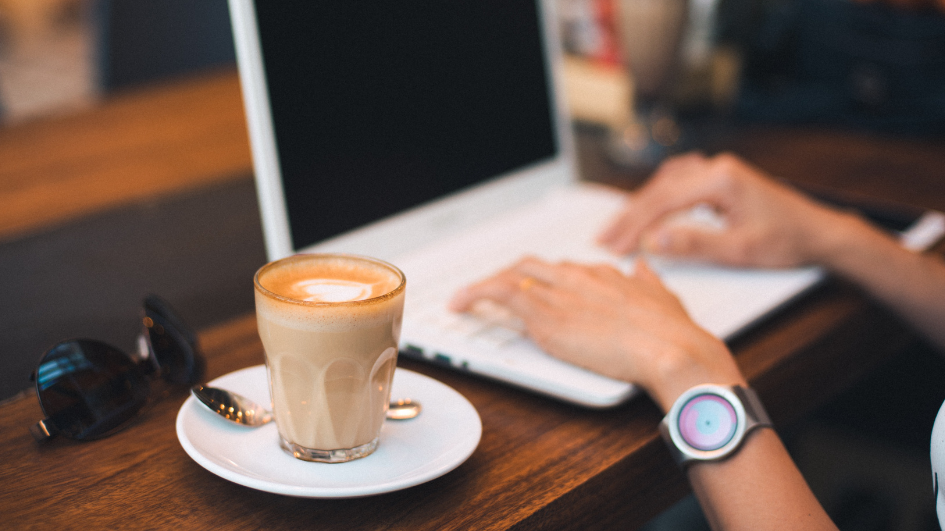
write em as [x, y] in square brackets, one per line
[626, 327]
[767, 224]
[632, 328]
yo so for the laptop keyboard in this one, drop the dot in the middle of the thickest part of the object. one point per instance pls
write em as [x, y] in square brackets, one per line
[488, 324]
[435, 274]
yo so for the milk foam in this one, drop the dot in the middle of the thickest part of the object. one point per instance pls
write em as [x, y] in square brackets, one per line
[328, 292]
[332, 290]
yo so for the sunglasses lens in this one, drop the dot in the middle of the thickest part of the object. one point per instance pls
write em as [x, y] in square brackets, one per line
[174, 345]
[87, 388]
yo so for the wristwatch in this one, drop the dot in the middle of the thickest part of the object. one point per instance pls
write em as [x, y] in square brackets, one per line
[709, 422]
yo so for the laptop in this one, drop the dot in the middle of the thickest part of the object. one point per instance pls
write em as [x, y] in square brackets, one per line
[434, 135]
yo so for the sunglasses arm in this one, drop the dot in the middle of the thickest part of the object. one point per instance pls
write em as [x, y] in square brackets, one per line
[43, 430]
[144, 349]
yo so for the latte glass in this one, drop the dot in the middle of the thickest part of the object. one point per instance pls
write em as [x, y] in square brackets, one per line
[330, 325]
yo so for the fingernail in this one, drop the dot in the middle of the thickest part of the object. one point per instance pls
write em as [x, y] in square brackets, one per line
[454, 303]
[657, 242]
[604, 238]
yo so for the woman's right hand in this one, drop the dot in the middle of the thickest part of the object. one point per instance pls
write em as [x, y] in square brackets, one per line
[766, 224]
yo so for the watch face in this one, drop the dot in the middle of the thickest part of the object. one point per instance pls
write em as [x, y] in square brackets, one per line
[707, 422]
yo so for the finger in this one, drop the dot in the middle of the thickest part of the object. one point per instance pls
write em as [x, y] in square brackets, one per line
[622, 223]
[696, 244]
[542, 271]
[500, 284]
[498, 288]
[532, 305]
[571, 277]
[643, 271]
[530, 276]
[629, 220]
[678, 185]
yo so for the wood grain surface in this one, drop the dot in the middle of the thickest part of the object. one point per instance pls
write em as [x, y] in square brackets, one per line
[137, 145]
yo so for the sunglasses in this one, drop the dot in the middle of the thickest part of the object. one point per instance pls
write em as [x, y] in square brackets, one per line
[88, 389]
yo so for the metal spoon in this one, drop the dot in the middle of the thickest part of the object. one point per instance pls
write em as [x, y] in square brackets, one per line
[241, 410]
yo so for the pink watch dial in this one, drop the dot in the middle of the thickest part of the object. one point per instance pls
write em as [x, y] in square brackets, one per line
[707, 422]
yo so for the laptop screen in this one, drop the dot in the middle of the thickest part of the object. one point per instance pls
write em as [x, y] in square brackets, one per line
[380, 106]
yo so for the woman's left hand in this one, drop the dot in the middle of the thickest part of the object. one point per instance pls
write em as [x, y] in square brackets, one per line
[626, 327]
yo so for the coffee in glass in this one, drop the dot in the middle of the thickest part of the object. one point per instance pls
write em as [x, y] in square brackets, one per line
[329, 324]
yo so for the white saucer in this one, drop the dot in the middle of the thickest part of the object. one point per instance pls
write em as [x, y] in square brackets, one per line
[410, 452]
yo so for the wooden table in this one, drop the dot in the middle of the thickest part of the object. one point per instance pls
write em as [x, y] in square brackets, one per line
[137, 146]
[541, 464]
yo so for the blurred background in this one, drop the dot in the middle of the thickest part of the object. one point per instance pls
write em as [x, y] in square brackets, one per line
[869, 67]
[62, 55]
[45, 58]
[79, 266]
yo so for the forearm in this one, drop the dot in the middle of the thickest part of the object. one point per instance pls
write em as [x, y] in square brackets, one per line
[912, 284]
[757, 488]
